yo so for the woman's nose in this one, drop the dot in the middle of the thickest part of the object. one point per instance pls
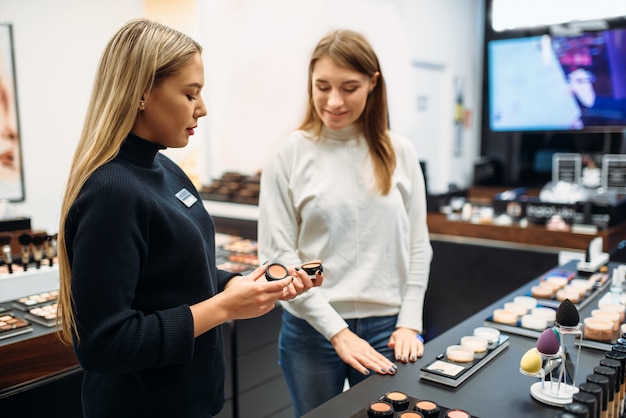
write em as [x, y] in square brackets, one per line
[335, 99]
[200, 109]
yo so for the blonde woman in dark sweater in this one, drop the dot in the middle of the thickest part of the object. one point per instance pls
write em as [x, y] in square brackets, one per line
[141, 298]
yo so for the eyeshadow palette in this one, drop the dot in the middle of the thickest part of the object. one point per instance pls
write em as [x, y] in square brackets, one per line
[11, 326]
[397, 404]
[34, 301]
[43, 315]
[454, 367]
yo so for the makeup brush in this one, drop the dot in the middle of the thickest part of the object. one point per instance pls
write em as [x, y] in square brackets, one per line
[38, 241]
[5, 242]
[51, 248]
[24, 240]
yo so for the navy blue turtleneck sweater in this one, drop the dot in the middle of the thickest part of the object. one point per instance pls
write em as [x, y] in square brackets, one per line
[140, 257]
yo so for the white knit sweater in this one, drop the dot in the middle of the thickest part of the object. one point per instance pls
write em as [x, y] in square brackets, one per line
[318, 202]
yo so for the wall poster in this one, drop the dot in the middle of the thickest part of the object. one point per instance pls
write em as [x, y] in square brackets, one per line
[11, 173]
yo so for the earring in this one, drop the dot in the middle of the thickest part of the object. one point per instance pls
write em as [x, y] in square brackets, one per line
[142, 104]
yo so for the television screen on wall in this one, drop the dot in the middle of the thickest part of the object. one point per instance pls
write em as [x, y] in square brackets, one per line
[558, 83]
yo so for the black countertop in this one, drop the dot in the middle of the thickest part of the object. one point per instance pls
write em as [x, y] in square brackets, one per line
[497, 389]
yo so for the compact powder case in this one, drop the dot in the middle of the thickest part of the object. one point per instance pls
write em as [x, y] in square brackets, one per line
[312, 267]
[276, 271]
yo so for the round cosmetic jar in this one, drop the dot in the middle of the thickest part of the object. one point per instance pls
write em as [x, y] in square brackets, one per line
[399, 400]
[276, 271]
[427, 408]
[478, 344]
[457, 413]
[380, 409]
[489, 333]
[312, 267]
[460, 354]
[411, 414]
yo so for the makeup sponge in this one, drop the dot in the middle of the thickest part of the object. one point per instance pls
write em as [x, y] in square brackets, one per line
[567, 314]
[549, 341]
[531, 362]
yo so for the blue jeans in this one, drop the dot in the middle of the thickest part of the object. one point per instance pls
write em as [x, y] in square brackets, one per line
[313, 370]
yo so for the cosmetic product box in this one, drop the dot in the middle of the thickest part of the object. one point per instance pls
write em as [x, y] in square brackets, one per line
[602, 213]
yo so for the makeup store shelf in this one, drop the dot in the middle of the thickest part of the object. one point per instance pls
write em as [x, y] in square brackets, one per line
[30, 358]
[533, 235]
[30, 282]
[440, 227]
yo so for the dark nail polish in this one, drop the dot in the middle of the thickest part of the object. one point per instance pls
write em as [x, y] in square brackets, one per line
[297, 269]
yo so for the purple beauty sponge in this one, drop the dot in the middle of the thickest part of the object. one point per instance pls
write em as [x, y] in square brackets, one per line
[567, 314]
[549, 341]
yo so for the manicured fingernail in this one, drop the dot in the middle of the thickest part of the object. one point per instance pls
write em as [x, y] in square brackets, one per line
[366, 372]
[297, 269]
[265, 262]
[383, 370]
[403, 358]
[398, 357]
[413, 358]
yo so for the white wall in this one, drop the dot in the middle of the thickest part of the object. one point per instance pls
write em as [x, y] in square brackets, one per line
[256, 57]
[57, 48]
[257, 52]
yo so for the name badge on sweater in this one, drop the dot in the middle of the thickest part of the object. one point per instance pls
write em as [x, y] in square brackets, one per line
[187, 198]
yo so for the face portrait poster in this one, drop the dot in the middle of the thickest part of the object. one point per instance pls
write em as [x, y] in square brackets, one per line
[11, 173]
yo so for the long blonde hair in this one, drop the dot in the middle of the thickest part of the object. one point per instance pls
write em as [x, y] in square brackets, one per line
[350, 49]
[137, 58]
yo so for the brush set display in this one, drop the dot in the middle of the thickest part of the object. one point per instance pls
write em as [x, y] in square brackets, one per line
[35, 250]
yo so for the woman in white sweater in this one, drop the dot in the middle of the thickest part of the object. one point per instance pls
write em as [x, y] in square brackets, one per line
[346, 190]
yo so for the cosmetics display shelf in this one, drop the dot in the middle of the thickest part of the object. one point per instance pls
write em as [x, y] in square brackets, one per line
[25, 283]
[496, 389]
[28, 358]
